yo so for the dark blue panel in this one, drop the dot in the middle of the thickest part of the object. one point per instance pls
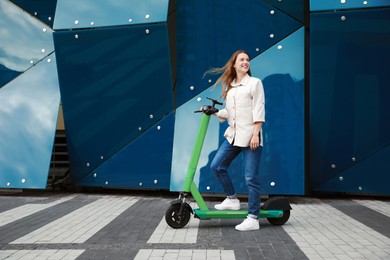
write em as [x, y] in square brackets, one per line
[115, 83]
[368, 175]
[28, 118]
[293, 8]
[321, 5]
[349, 89]
[282, 70]
[144, 164]
[43, 10]
[208, 32]
[24, 41]
[86, 13]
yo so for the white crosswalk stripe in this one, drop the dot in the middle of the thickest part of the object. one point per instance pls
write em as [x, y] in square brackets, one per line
[322, 231]
[64, 254]
[81, 224]
[379, 206]
[15, 214]
[183, 254]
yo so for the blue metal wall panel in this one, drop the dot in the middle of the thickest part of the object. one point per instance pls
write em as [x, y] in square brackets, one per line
[43, 10]
[78, 14]
[28, 118]
[349, 93]
[145, 163]
[293, 8]
[208, 32]
[330, 5]
[24, 41]
[115, 83]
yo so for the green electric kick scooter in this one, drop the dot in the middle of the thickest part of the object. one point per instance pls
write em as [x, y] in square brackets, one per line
[275, 209]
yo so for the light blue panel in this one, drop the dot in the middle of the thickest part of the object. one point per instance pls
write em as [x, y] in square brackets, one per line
[186, 130]
[41, 9]
[282, 70]
[24, 41]
[86, 14]
[321, 5]
[366, 176]
[28, 118]
[145, 163]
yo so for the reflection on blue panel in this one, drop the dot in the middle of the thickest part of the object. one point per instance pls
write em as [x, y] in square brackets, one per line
[208, 32]
[321, 5]
[24, 41]
[349, 91]
[98, 13]
[41, 9]
[115, 83]
[186, 129]
[282, 71]
[145, 163]
[28, 118]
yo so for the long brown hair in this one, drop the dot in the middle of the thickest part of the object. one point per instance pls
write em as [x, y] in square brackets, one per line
[228, 73]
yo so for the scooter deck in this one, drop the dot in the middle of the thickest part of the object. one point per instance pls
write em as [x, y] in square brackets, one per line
[215, 214]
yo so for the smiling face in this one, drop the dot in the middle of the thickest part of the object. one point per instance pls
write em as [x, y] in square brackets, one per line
[242, 64]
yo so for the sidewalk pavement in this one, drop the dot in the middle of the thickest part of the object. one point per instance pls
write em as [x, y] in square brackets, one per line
[44, 225]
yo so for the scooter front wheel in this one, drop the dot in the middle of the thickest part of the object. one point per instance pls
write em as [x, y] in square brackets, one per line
[176, 220]
[280, 221]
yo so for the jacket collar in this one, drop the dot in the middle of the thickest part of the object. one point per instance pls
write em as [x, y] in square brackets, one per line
[244, 81]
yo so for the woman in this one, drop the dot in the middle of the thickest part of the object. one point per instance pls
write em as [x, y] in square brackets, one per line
[245, 114]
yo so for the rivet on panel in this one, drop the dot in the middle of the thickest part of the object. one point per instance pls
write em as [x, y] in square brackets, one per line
[101, 157]
[257, 49]
[130, 20]
[365, 2]
[76, 36]
[139, 128]
[192, 87]
[23, 180]
[43, 50]
[8, 183]
[147, 31]
[333, 166]
[272, 184]
[94, 175]
[92, 23]
[31, 61]
[44, 29]
[155, 181]
[76, 22]
[208, 187]
[343, 1]
[48, 60]
[210, 81]
[341, 178]
[35, 13]
[272, 12]
[199, 99]
[140, 184]
[353, 159]
[158, 128]
[271, 35]
[106, 182]
[279, 0]
[343, 18]
[88, 164]
[49, 18]
[280, 47]
[360, 188]
[147, 16]
[151, 116]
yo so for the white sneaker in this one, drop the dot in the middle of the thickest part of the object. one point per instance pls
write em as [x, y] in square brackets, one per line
[228, 204]
[248, 224]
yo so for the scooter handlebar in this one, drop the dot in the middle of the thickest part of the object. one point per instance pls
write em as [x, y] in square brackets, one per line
[209, 110]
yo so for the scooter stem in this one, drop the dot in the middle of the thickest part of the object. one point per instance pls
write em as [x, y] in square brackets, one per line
[204, 123]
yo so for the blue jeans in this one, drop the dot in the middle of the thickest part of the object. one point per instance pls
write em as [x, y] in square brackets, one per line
[251, 159]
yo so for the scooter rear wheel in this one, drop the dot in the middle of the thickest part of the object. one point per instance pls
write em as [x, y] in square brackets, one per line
[173, 218]
[280, 221]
